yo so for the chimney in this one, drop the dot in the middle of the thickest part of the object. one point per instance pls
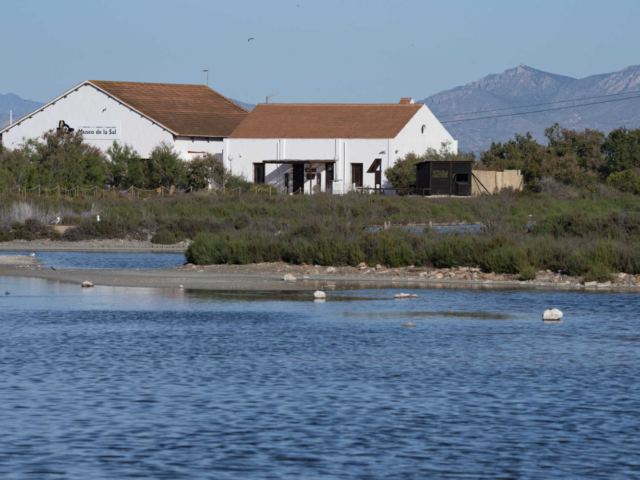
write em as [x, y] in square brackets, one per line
[406, 101]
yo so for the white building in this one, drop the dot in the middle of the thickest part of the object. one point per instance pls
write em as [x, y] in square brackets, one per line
[192, 118]
[330, 147]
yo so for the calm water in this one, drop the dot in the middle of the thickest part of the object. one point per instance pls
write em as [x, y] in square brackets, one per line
[113, 261]
[109, 383]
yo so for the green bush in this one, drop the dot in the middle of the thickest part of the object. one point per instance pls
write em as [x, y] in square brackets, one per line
[164, 237]
[527, 272]
[598, 272]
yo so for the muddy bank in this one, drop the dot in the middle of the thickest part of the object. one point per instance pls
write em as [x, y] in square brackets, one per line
[105, 246]
[269, 277]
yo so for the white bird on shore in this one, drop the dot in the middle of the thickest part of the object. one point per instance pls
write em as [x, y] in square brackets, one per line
[32, 254]
[56, 221]
[97, 218]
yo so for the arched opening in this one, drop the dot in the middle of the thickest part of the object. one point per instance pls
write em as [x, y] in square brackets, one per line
[424, 129]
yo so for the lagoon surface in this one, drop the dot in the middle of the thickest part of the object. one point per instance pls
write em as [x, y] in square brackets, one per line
[108, 261]
[109, 383]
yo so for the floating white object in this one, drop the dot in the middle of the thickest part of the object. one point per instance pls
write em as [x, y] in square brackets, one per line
[87, 284]
[319, 294]
[289, 278]
[402, 295]
[414, 296]
[552, 315]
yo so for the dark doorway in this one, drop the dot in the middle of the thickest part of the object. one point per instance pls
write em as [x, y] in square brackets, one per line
[258, 173]
[298, 178]
[356, 174]
[286, 182]
[329, 178]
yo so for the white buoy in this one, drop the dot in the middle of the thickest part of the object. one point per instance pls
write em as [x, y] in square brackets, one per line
[319, 295]
[553, 315]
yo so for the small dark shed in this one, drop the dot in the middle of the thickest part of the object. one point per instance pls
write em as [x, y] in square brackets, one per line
[444, 178]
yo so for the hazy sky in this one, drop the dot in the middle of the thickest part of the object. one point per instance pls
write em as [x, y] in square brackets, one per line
[320, 51]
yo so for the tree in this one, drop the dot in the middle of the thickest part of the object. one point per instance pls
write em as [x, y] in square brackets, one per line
[64, 160]
[165, 168]
[202, 171]
[621, 150]
[127, 167]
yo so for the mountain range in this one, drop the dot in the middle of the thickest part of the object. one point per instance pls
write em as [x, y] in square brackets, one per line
[517, 87]
[523, 86]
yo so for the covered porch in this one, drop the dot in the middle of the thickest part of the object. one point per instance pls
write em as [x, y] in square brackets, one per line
[298, 176]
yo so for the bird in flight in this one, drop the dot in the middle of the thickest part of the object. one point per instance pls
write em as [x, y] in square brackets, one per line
[104, 110]
[250, 39]
[7, 292]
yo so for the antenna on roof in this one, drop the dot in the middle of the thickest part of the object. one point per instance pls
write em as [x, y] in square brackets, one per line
[207, 76]
[272, 95]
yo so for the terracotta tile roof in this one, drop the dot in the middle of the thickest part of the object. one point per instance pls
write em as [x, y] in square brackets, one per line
[277, 120]
[189, 110]
[406, 100]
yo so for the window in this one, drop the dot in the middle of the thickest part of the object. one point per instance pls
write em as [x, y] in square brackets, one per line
[424, 129]
[356, 174]
[461, 177]
[440, 174]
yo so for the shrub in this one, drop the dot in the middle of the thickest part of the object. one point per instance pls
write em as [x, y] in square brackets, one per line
[625, 181]
[598, 272]
[527, 272]
[164, 237]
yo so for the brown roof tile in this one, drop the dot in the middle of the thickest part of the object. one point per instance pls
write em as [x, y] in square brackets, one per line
[189, 110]
[277, 120]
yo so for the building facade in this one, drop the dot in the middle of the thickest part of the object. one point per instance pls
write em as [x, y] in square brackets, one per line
[192, 118]
[307, 148]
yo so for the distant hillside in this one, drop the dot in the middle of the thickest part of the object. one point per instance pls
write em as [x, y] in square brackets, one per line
[524, 86]
[248, 106]
[19, 106]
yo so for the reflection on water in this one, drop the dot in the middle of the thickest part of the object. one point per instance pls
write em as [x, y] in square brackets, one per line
[111, 261]
[123, 382]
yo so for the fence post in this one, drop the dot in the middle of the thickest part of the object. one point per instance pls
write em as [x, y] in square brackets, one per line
[38, 190]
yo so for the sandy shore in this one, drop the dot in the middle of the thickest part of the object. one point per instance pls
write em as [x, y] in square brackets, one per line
[269, 277]
[104, 246]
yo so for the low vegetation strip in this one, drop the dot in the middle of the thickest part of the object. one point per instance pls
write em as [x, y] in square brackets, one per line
[589, 235]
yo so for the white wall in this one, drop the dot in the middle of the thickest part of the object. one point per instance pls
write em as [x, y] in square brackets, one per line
[189, 148]
[88, 103]
[246, 152]
[411, 138]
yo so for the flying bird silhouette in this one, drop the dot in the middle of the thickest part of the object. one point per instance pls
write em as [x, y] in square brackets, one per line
[7, 292]
[250, 39]
[104, 110]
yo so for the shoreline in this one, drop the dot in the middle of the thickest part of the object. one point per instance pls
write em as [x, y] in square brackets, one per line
[92, 246]
[269, 277]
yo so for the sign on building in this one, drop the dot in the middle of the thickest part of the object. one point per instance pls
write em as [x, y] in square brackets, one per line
[97, 129]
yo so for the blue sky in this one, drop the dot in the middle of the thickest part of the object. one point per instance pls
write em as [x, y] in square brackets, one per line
[322, 51]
